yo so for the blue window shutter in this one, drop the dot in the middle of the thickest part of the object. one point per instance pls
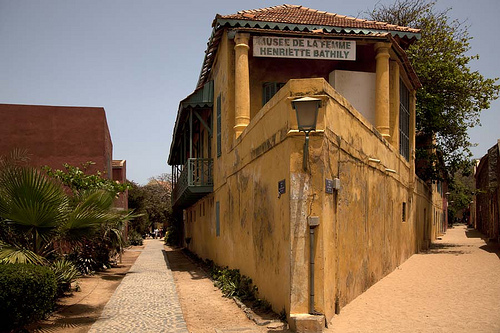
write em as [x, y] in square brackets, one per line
[219, 143]
[404, 120]
[217, 219]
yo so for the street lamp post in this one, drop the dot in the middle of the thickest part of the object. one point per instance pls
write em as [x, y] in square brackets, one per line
[306, 109]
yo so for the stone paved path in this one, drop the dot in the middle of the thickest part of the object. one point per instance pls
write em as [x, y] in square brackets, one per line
[146, 300]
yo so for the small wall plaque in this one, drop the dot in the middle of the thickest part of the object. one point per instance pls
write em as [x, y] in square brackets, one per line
[329, 186]
[281, 187]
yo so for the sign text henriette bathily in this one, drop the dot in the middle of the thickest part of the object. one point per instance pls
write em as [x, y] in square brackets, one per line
[304, 48]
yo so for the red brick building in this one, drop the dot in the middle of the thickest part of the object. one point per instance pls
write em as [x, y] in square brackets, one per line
[55, 135]
[487, 194]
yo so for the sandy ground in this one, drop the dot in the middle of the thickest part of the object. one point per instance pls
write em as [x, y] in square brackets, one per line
[455, 287]
[205, 309]
[78, 311]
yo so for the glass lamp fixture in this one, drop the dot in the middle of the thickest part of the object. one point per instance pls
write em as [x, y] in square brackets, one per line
[306, 109]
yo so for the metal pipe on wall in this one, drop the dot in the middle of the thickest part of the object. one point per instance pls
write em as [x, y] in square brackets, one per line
[311, 270]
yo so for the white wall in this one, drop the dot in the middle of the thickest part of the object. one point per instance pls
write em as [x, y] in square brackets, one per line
[358, 88]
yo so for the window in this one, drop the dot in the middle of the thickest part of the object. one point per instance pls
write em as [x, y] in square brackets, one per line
[404, 120]
[219, 144]
[269, 89]
[217, 219]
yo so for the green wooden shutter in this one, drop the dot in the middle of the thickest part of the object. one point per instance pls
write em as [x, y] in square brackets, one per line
[217, 219]
[219, 143]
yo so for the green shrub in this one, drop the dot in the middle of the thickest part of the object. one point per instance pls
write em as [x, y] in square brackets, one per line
[134, 238]
[27, 294]
[65, 273]
[172, 236]
[91, 256]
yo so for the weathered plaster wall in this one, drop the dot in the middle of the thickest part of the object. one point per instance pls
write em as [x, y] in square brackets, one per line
[254, 220]
[362, 235]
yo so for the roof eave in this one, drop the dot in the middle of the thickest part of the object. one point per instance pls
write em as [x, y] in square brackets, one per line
[221, 22]
[202, 97]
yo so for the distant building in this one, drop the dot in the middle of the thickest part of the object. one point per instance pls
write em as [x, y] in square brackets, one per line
[312, 233]
[120, 175]
[487, 201]
[55, 135]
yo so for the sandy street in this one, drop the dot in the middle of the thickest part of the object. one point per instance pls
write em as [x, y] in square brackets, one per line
[455, 287]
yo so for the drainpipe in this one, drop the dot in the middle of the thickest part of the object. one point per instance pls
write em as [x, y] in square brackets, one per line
[313, 222]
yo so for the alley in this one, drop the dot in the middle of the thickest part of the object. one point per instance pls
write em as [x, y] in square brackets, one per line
[455, 287]
[146, 300]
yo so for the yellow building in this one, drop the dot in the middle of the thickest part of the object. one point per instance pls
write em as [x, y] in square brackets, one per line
[313, 226]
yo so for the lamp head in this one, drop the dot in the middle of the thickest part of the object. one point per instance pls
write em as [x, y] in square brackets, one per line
[306, 109]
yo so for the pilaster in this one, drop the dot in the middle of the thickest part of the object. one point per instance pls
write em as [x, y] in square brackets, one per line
[382, 97]
[241, 83]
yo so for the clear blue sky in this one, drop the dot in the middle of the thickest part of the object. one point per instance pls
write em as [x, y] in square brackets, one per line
[138, 59]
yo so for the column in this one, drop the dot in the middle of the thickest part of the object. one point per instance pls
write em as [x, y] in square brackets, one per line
[382, 89]
[241, 83]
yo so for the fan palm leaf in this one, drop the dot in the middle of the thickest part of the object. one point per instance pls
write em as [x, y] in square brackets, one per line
[90, 211]
[32, 202]
[10, 254]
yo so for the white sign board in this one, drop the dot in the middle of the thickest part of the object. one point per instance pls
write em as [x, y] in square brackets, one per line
[304, 48]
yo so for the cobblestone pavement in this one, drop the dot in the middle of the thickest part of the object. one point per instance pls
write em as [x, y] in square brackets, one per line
[146, 299]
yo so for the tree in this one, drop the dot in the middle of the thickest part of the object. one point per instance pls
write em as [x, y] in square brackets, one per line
[452, 95]
[136, 201]
[461, 193]
[152, 201]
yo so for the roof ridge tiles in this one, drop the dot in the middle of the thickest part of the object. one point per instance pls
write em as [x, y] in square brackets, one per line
[297, 14]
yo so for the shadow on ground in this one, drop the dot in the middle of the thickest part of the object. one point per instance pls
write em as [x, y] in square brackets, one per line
[490, 246]
[177, 261]
[447, 248]
[74, 316]
[473, 233]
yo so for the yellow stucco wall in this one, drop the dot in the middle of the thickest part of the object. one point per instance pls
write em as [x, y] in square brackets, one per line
[362, 235]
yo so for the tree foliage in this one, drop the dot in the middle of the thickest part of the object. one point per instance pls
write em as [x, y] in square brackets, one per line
[452, 95]
[461, 189]
[152, 202]
[78, 180]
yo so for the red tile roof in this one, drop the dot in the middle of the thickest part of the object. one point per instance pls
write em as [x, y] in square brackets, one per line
[295, 14]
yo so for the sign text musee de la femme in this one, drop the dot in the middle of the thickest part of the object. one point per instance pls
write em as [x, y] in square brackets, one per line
[303, 48]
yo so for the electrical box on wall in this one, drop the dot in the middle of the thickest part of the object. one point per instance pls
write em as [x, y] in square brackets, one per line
[336, 184]
[313, 221]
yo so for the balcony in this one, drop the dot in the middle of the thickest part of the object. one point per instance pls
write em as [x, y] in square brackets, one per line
[192, 181]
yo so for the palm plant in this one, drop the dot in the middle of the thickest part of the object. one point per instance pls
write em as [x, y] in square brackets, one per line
[35, 213]
[32, 208]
